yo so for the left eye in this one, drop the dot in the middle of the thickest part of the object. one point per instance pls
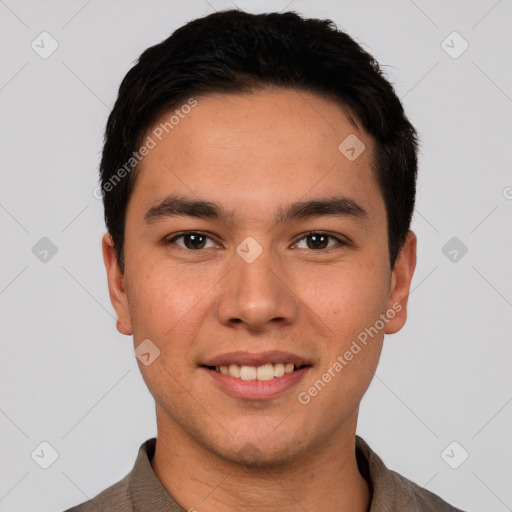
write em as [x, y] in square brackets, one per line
[193, 241]
[317, 241]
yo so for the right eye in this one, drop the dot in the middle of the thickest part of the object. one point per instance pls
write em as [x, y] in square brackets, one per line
[192, 240]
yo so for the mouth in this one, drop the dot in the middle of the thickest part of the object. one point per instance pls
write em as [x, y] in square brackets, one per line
[256, 376]
[267, 371]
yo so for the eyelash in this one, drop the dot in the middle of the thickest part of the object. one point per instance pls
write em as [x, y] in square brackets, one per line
[339, 241]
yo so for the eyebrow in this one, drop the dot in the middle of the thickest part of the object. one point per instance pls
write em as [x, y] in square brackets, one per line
[173, 206]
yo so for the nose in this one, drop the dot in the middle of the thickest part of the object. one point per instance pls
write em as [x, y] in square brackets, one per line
[257, 295]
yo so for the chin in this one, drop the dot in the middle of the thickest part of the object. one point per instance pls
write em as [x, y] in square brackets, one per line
[250, 440]
[252, 455]
[259, 449]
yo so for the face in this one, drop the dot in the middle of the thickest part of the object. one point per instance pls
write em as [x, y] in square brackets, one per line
[255, 246]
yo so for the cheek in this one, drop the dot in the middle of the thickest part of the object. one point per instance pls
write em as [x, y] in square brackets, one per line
[346, 300]
[351, 303]
[162, 301]
[165, 307]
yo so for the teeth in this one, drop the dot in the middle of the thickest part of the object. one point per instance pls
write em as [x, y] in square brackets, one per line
[278, 370]
[248, 373]
[234, 370]
[264, 372]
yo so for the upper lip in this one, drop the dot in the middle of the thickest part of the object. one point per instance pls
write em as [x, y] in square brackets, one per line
[256, 359]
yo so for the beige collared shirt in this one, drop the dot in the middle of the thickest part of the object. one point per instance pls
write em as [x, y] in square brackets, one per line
[141, 491]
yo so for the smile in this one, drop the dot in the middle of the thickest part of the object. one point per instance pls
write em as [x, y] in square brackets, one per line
[267, 371]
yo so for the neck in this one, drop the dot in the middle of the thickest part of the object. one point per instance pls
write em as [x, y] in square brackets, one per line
[324, 478]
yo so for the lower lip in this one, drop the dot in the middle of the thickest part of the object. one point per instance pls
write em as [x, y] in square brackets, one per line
[256, 389]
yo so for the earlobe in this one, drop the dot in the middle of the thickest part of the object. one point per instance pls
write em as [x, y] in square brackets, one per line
[116, 286]
[401, 283]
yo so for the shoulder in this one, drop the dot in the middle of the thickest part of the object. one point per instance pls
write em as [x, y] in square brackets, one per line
[114, 498]
[419, 498]
[392, 491]
[120, 496]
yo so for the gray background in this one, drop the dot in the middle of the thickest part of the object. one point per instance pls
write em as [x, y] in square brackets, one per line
[67, 376]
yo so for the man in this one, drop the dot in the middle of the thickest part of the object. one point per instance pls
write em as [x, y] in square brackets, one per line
[258, 178]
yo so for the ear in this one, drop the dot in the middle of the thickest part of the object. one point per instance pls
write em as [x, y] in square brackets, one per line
[401, 278]
[116, 286]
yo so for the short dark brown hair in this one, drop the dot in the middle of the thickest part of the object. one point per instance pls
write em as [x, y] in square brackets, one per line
[235, 52]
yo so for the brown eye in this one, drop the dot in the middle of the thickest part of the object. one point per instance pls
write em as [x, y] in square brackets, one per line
[318, 241]
[192, 241]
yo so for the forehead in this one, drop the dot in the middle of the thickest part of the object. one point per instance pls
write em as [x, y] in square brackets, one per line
[258, 148]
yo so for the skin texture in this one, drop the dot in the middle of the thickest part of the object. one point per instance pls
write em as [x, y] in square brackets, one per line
[253, 154]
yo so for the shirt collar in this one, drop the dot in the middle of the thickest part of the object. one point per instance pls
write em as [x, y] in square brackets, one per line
[389, 490]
